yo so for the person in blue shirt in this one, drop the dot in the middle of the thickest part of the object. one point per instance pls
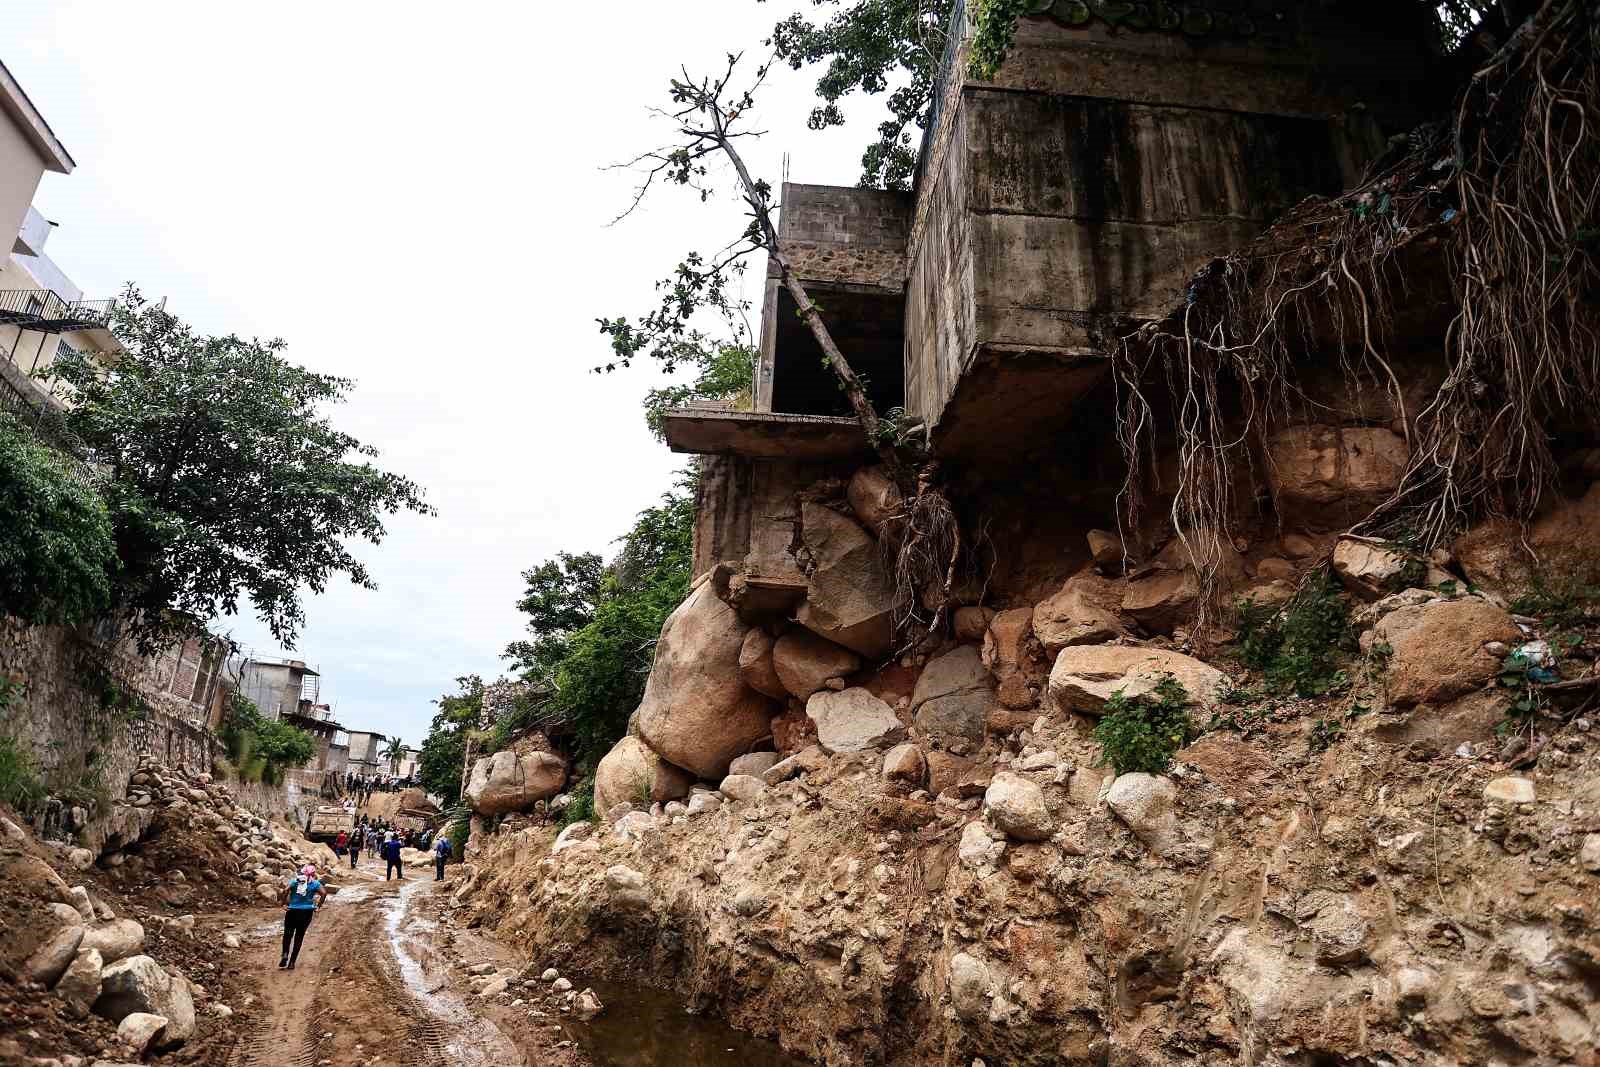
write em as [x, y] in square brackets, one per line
[441, 852]
[391, 856]
[301, 897]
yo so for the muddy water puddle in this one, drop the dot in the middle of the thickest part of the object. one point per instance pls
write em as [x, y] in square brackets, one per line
[643, 1027]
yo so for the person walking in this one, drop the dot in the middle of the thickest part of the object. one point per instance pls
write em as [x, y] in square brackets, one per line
[301, 898]
[391, 855]
[441, 852]
[341, 842]
[355, 846]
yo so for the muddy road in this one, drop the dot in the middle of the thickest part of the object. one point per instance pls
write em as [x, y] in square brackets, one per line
[374, 985]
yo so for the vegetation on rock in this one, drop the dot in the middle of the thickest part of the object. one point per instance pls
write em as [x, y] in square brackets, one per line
[1143, 733]
[57, 553]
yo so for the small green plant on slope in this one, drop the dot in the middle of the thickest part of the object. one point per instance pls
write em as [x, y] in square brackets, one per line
[1299, 648]
[1565, 600]
[261, 748]
[1143, 733]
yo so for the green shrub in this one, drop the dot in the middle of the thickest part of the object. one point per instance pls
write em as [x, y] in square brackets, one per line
[20, 786]
[1560, 599]
[1144, 733]
[582, 807]
[261, 748]
[1299, 649]
[57, 551]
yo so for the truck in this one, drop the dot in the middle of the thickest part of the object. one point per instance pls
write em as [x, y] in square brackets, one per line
[327, 822]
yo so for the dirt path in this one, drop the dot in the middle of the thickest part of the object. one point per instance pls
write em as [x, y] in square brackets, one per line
[373, 987]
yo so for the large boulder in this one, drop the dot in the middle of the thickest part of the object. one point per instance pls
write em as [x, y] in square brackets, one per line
[139, 984]
[1372, 570]
[507, 782]
[804, 662]
[632, 773]
[1016, 806]
[80, 984]
[756, 665]
[1437, 649]
[850, 596]
[697, 711]
[1015, 658]
[953, 695]
[114, 940]
[1087, 610]
[1327, 477]
[875, 499]
[52, 958]
[1168, 596]
[853, 721]
[1148, 804]
[1085, 676]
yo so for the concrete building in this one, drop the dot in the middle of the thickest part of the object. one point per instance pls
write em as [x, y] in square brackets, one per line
[364, 753]
[41, 310]
[278, 687]
[1055, 207]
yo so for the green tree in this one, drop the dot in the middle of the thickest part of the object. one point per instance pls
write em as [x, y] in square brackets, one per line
[225, 479]
[394, 752]
[725, 374]
[57, 551]
[559, 597]
[261, 748]
[872, 47]
[444, 750]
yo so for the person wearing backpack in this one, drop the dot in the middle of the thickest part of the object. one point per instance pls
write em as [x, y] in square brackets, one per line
[391, 855]
[301, 898]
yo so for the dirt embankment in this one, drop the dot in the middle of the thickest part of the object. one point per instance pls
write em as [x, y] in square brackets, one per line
[1292, 892]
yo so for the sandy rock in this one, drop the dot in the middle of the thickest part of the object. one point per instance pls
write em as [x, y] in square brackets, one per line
[1566, 539]
[970, 987]
[494, 987]
[756, 666]
[66, 914]
[809, 758]
[1013, 656]
[1589, 854]
[1271, 594]
[141, 1031]
[1438, 648]
[853, 721]
[1147, 803]
[874, 498]
[506, 781]
[804, 662]
[1338, 930]
[970, 624]
[139, 984]
[742, 787]
[79, 985]
[753, 763]
[81, 858]
[1085, 676]
[1016, 806]
[1326, 477]
[115, 940]
[1297, 546]
[904, 763]
[1086, 610]
[1274, 569]
[52, 958]
[632, 772]
[588, 1005]
[701, 803]
[82, 903]
[561, 985]
[979, 847]
[1105, 549]
[697, 712]
[945, 769]
[850, 597]
[953, 695]
[11, 832]
[1511, 790]
[1372, 571]
[634, 826]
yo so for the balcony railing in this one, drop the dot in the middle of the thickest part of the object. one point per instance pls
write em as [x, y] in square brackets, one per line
[954, 32]
[41, 309]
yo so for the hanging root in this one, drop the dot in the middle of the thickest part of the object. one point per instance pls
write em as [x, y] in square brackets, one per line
[927, 560]
[1510, 188]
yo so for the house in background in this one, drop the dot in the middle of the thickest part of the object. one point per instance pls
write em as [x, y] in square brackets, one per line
[365, 753]
[277, 686]
[41, 310]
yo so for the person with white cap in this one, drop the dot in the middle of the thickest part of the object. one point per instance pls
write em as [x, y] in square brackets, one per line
[302, 897]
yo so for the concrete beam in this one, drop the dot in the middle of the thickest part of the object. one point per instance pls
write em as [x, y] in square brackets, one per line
[763, 435]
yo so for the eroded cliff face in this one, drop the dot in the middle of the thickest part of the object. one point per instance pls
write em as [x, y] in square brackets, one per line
[1361, 879]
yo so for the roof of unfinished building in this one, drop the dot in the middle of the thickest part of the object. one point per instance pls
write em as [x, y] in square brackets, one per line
[33, 126]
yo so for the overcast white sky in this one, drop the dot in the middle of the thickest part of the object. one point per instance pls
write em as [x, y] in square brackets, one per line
[410, 194]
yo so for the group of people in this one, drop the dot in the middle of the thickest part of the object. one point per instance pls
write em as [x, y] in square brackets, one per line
[364, 785]
[378, 836]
